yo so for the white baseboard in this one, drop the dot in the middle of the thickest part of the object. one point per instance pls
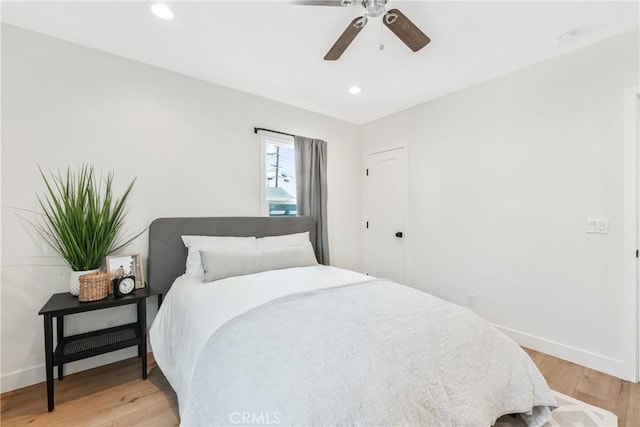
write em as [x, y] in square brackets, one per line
[36, 374]
[595, 361]
[23, 378]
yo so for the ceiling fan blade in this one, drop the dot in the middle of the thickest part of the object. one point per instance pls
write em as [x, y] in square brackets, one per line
[346, 38]
[339, 3]
[406, 30]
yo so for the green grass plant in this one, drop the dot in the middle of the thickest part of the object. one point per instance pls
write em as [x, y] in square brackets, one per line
[82, 219]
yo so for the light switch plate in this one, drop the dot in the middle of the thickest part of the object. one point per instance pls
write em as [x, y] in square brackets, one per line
[603, 225]
[592, 225]
[598, 225]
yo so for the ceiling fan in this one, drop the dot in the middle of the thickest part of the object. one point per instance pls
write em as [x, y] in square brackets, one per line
[395, 20]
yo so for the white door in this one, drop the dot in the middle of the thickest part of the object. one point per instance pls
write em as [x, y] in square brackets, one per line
[637, 216]
[385, 211]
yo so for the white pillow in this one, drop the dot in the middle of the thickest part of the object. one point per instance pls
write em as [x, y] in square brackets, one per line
[195, 244]
[221, 264]
[284, 241]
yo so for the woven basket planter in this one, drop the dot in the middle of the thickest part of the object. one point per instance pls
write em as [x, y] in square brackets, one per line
[94, 286]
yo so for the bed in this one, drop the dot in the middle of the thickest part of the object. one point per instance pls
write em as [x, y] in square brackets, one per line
[319, 345]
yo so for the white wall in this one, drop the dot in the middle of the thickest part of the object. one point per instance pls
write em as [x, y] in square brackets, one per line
[502, 177]
[189, 143]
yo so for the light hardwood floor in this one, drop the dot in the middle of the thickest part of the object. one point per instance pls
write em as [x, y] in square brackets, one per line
[115, 395]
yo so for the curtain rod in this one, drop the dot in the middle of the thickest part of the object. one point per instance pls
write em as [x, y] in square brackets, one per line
[255, 130]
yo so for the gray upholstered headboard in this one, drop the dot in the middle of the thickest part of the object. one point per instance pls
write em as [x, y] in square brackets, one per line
[167, 253]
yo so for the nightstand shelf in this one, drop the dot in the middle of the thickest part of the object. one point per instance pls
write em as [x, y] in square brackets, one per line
[89, 344]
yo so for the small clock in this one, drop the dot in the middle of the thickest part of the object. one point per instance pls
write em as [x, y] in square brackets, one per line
[124, 286]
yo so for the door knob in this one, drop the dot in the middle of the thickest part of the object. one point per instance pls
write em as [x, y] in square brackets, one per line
[399, 234]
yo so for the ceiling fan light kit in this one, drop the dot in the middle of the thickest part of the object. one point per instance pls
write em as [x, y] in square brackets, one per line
[395, 20]
[374, 8]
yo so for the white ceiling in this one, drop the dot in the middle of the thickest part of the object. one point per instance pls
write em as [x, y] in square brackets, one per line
[275, 49]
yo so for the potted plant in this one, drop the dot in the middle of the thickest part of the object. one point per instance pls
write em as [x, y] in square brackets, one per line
[82, 220]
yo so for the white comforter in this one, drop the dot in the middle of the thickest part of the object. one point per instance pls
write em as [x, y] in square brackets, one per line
[192, 311]
[441, 363]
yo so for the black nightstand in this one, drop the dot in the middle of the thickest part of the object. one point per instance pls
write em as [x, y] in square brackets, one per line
[89, 344]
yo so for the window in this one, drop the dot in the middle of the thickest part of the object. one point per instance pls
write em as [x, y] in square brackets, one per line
[279, 176]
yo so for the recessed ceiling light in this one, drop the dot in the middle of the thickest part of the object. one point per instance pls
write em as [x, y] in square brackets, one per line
[354, 90]
[162, 11]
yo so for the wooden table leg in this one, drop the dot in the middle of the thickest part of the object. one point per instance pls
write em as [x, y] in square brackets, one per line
[142, 325]
[48, 354]
[60, 335]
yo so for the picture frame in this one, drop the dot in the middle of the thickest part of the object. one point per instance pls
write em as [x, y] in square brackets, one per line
[126, 265]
